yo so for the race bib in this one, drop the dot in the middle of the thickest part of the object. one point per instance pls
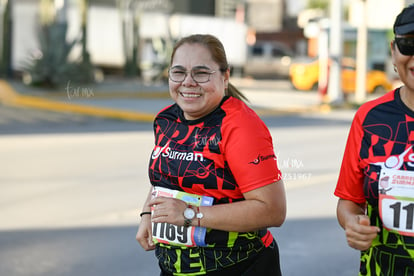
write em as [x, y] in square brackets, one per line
[179, 235]
[396, 200]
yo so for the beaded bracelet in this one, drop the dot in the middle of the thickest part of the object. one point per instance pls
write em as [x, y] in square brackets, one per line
[144, 213]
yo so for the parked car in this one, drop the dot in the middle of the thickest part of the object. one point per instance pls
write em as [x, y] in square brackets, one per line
[268, 60]
[305, 76]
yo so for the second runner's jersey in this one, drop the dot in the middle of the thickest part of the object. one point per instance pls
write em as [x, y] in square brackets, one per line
[223, 155]
[378, 169]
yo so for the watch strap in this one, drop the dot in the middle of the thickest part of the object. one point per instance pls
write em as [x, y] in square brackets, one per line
[199, 216]
[187, 222]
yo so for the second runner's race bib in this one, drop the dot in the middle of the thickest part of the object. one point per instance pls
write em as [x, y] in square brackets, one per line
[396, 200]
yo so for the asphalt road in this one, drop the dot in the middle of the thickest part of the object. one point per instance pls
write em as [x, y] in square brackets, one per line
[72, 187]
[16, 120]
[313, 247]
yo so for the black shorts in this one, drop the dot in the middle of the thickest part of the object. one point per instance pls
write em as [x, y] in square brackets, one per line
[267, 263]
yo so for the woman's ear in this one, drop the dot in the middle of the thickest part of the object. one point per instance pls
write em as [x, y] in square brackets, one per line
[226, 78]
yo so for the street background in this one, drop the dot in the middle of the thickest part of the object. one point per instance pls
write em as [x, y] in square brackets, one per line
[73, 159]
[73, 185]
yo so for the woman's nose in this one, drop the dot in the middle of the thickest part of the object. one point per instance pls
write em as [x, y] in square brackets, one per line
[188, 80]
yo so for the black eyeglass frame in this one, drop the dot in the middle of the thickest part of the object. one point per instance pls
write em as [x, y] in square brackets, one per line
[405, 45]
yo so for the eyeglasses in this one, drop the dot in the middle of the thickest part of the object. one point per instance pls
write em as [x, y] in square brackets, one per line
[198, 75]
[405, 45]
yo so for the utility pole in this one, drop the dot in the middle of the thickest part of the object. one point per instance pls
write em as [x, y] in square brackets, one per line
[61, 10]
[84, 17]
[6, 49]
[361, 62]
[335, 94]
[323, 54]
[130, 11]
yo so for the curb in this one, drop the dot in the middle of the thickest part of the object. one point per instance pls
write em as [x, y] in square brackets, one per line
[9, 96]
[292, 110]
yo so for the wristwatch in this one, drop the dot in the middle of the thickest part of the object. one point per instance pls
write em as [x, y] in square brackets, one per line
[189, 215]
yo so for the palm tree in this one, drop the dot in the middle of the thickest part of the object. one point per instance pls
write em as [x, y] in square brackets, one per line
[318, 4]
[53, 67]
[130, 16]
[84, 17]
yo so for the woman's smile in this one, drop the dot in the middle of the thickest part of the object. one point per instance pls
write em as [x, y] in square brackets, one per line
[189, 94]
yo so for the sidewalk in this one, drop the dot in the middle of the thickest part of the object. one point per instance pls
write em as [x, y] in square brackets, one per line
[126, 99]
[116, 99]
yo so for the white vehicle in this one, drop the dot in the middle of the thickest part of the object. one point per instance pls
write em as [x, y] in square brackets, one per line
[105, 43]
[232, 34]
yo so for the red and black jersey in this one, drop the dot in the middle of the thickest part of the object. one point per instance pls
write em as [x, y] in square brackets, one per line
[381, 143]
[222, 155]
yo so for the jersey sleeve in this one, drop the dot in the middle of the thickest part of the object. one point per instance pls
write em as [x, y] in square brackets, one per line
[248, 150]
[351, 176]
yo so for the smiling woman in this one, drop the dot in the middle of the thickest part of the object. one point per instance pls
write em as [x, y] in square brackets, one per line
[204, 150]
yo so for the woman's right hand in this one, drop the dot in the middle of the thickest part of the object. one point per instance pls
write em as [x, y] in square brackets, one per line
[359, 233]
[144, 234]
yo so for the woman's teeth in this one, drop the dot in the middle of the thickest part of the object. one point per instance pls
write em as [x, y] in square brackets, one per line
[189, 95]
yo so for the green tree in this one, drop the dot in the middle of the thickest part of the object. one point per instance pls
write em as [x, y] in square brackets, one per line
[318, 4]
[130, 16]
[52, 66]
[84, 16]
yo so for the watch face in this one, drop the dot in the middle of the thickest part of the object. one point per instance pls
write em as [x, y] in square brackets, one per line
[189, 213]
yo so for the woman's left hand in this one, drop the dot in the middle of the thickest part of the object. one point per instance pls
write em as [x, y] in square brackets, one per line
[166, 209]
[144, 234]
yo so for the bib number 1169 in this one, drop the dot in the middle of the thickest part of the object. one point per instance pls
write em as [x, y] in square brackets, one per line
[170, 232]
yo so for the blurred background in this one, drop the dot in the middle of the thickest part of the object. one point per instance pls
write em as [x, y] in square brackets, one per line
[47, 42]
